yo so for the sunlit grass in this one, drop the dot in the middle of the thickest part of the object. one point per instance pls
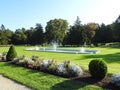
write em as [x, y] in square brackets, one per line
[41, 81]
[110, 55]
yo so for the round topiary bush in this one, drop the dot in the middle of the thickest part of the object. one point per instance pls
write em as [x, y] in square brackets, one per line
[98, 69]
[11, 54]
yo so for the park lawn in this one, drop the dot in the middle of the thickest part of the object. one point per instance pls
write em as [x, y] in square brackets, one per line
[110, 55]
[41, 81]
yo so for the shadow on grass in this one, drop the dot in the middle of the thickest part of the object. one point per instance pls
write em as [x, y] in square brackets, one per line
[68, 85]
[75, 84]
[109, 58]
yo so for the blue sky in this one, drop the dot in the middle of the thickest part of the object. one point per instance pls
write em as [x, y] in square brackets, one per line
[26, 13]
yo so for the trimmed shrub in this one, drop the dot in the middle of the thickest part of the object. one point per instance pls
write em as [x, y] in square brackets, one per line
[98, 69]
[11, 54]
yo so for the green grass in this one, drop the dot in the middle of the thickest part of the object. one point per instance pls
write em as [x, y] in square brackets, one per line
[110, 55]
[42, 81]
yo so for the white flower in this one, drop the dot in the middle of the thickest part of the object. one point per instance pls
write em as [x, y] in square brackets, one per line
[75, 68]
[61, 68]
[116, 79]
[46, 63]
[30, 61]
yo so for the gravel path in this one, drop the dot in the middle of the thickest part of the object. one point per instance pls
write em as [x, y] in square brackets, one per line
[7, 84]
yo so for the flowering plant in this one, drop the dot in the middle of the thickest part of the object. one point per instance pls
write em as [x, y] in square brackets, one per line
[116, 79]
[3, 56]
[64, 69]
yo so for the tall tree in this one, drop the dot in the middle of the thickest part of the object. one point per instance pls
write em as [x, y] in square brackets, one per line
[77, 22]
[103, 34]
[5, 35]
[91, 30]
[116, 29]
[19, 37]
[77, 35]
[38, 35]
[29, 34]
[56, 30]
[2, 27]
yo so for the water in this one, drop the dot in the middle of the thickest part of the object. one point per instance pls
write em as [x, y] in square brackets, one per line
[36, 48]
[82, 49]
[54, 46]
[65, 50]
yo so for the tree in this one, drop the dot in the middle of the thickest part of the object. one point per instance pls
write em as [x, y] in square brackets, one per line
[29, 34]
[77, 35]
[5, 35]
[11, 54]
[91, 30]
[2, 27]
[116, 29]
[77, 22]
[103, 34]
[19, 37]
[56, 30]
[38, 35]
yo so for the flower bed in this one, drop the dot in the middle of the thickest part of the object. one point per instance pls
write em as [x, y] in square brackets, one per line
[64, 69]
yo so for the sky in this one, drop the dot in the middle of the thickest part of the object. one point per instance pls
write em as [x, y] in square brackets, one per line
[15, 14]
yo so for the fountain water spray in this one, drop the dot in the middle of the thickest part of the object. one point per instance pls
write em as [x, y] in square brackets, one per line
[82, 49]
[54, 46]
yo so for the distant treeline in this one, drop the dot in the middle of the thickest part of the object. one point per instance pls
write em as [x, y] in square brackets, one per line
[57, 30]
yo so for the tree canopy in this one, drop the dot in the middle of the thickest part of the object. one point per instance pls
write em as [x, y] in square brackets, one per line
[58, 31]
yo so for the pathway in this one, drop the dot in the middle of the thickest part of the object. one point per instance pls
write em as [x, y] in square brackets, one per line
[7, 84]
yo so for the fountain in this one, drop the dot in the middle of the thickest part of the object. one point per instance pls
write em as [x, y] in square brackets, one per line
[54, 46]
[36, 48]
[82, 49]
[64, 50]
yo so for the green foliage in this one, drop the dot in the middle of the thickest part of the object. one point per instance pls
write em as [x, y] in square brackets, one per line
[91, 29]
[11, 54]
[19, 37]
[103, 34]
[116, 29]
[76, 35]
[56, 30]
[38, 35]
[5, 35]
[98, 69]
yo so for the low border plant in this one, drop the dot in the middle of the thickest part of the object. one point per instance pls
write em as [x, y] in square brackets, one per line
[116, 79]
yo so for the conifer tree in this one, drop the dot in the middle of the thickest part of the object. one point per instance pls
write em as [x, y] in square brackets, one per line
[11, 54]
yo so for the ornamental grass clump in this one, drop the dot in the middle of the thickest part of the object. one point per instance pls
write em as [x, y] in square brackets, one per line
[98, 69]
[116, 79]
[11, 54]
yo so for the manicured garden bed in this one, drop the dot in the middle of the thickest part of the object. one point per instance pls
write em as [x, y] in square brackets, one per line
[39, 80]
[83, 82]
